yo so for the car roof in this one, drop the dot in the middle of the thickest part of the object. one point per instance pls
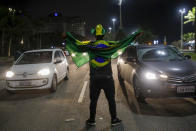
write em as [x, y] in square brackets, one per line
[40, 50]
[150, 46]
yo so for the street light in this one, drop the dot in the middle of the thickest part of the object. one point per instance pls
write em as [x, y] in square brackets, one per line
[11, 10]
[22, 41]
[110, 29]
[182, 11]
[113, 21]
[156, 42]
[120, 4]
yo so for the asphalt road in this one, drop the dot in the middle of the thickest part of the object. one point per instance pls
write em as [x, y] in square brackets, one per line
[68, 109]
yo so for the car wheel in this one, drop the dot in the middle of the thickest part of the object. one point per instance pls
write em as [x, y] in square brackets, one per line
[67, 75]
[54, 84]
[137, 89]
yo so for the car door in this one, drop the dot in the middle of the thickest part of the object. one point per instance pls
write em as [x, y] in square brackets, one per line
[58, 65]
[64, 63]
[130, 66]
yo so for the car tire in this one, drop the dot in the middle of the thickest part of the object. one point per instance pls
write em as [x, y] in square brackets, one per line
[137, 91]
[54, 84]
[67, 75]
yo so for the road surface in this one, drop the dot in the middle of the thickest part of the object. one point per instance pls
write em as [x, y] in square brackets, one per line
[68, 109]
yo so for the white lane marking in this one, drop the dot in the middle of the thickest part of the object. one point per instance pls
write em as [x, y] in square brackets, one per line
[82, 92]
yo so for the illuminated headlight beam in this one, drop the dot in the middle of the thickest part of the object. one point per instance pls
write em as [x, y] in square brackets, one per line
[150, 76]
[163, 76]
[9, 74]
[44, 72]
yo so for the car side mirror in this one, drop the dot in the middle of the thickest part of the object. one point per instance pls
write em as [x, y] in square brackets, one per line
[57, 61]
[67, 53]
[187, 56]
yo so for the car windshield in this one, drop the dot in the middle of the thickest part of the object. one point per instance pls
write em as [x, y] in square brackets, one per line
[159, 54]
[35, 58]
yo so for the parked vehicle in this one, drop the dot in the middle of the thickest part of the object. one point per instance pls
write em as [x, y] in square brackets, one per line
[38, 69]
[157, 71]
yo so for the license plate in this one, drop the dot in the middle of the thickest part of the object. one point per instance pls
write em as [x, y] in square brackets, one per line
[24, 83]
[186, 89]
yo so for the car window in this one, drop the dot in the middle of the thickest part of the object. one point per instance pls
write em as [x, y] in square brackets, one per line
[35, 58]
[159, 54]
[61, 55]
[57, 55]
[129, 53]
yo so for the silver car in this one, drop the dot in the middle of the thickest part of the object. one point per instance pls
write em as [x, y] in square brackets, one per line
[38, 69]
[157, 71]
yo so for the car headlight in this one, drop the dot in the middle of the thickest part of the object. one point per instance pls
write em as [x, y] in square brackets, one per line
[163, 76]
[44, 72]
[150, 76]
[9, 74]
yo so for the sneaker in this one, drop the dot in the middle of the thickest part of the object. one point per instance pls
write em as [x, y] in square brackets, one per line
[115, 122]
[90, 122]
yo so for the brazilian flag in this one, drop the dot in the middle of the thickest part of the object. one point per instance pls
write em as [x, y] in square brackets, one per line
[99, 51]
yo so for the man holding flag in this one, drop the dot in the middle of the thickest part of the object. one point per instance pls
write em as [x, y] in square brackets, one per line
[100, 53]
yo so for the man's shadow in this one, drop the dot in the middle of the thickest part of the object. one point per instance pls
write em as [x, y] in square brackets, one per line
[155, 109]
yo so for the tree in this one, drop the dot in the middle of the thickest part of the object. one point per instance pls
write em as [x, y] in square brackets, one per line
[146, 37]
[177, 44]
[189, 36]
[190, 17]
[14, 26]
[120, 35]
[3, 27]
[108, 36]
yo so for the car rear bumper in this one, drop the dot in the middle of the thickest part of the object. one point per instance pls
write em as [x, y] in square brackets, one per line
[169, 90]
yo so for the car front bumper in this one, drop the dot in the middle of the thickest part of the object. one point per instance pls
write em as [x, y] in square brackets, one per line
[28, 84]
[165, 89]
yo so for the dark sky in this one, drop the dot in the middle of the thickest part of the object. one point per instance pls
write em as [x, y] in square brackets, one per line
[160, 16]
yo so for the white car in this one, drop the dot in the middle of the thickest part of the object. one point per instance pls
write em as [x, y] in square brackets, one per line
[38, 69]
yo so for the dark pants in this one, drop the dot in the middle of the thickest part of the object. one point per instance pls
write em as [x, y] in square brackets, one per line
[107, 84]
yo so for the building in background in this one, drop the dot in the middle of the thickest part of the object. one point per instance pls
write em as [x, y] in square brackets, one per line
[56, 24]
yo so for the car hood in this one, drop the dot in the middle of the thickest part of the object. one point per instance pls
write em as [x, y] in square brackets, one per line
[173, 68]
[29, 68]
